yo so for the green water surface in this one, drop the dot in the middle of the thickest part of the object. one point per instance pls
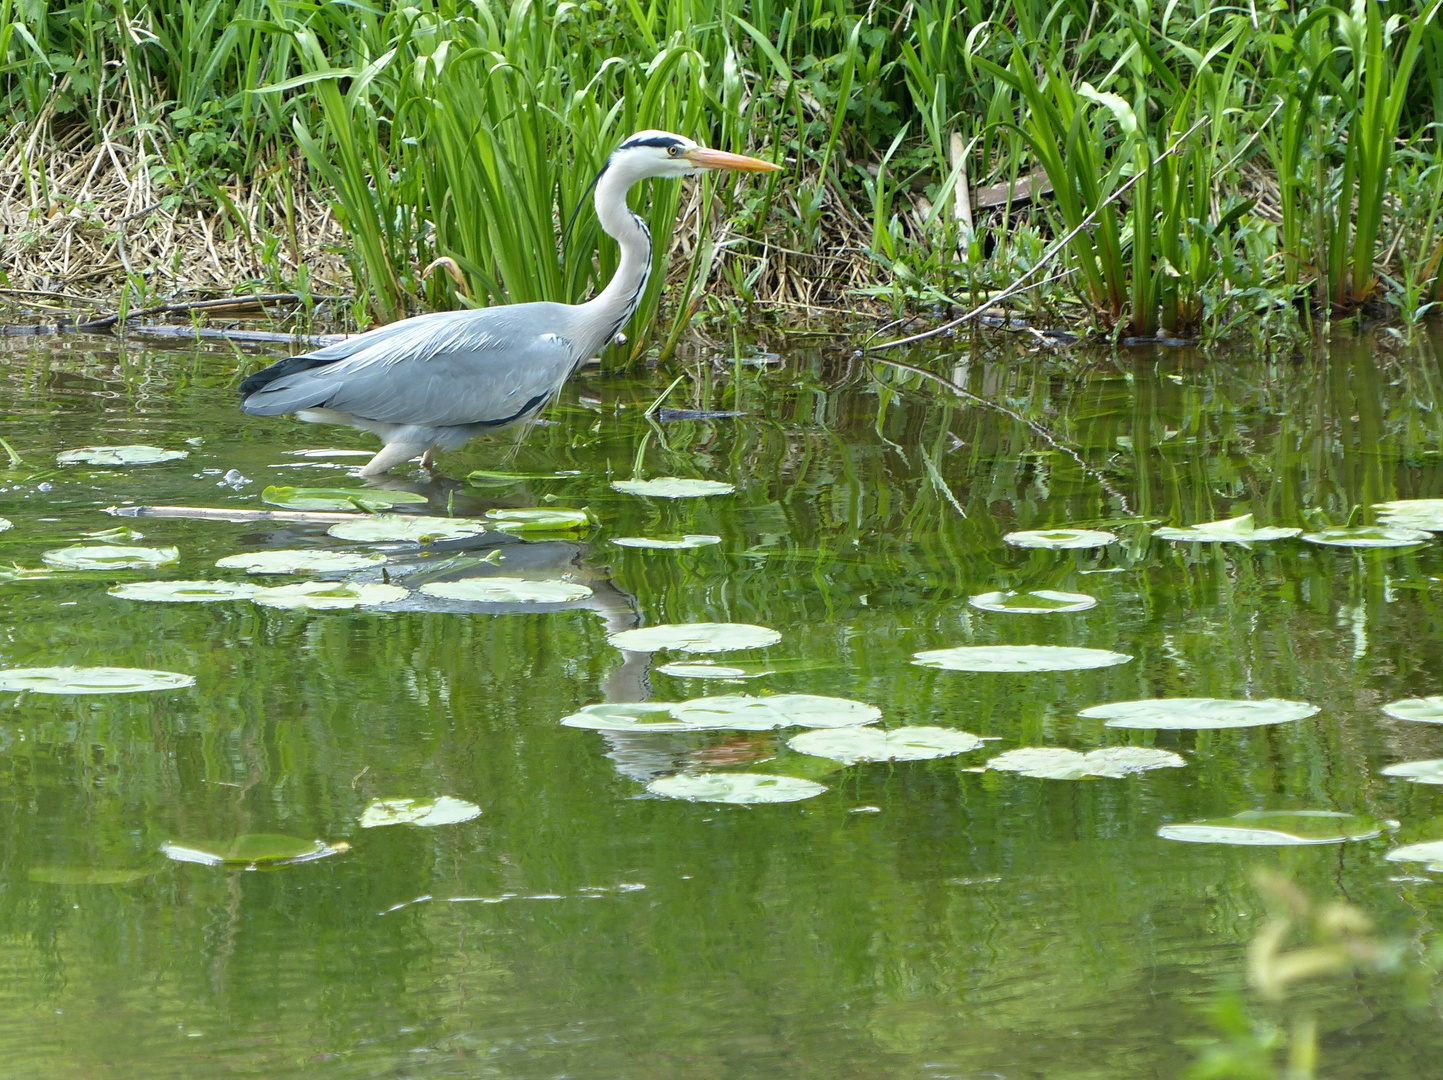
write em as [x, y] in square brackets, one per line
[917, 919]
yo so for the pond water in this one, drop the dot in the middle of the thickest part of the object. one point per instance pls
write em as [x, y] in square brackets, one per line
[912, 918]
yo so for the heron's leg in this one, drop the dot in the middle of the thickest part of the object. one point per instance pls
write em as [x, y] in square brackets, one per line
[391, 455]
[428, 459]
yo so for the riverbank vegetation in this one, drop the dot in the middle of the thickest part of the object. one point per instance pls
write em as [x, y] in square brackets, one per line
[1180, 170]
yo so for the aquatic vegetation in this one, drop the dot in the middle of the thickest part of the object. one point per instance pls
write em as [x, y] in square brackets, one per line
[1061, 539]
[1057, 763]
[850, 745]
[539, 519]
[1018, 658]
[710, 669]
[728, 712]
[393, 528]
[328, 595]
[118, 455]
[690, 540]
[1367, 536]
[1036, 602]
[1199, 713]
[1424, 710]
[427, 813]
[185, 592]
[1430, 853]
[673, 487]
[1420, 772]
[368, 499]
[109, 557]
[696, 637]
[507, 590]
[1238, 530]
[90, 680]
[1279, 828]
[253, 851]
[300, 561]
[746, 789]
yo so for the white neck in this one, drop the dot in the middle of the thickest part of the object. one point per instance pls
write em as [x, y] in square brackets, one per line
[608, 311]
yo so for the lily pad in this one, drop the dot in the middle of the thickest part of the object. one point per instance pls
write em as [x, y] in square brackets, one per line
[1368, 536]
[253, 851]
[1422, 514]
[394, 528]
[299, 561]
[484, 477]
[508, 590]
[91, 680]
[118, 455]
[442, 810]
[1430, 853]
[739, 712]
[1056, 763]
[1199, 713]
[109, 557]
[1018, 658]
[1238, 530]
[1279, 828]
[673, 487]
[1037, 602]
[850, 745]
[708, 669]
[368, 499]
[702, 637]
[745, 788]
[690, 540]
[1424, 710]
[185, 592]
[6, 523]
[329, 595]
[1420, 772]
[1059, 539]
[539, 519]
[646, 716]
[87, 875]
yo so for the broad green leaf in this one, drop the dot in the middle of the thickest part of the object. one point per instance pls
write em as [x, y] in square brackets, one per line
[1018, 658]
[1424, 710]
[329, 595]
[90, 680]
[1236, 530]
[299, 561]
[1199, 713]
[539, 519]
[394, 528]
[744, 788]
[1279, 828]
[1037, 602]
[690, 540]
[673, 487]
[852, 744]
[695, 637]
[118, 455]
[484, 477]
[508, 590]
[1060, 538]
[1368, 536]
[185, 592]
[1056, 763]
[650, 716]
[6, 523]
[252, 851]
[109, 557]
[739, 712]
[1424, 515]
[368, 499]
[1420, 772]
[1430, 853]
[442, 810]
[708, 669]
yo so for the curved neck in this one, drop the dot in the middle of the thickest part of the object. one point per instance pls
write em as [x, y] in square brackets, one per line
[608, 311]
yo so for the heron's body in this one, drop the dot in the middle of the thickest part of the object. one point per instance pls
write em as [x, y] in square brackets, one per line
[436, 381]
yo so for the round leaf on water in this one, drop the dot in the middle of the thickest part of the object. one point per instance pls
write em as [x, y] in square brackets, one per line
[482, 477]
[645, 716]
[109, 557]
[1420, 772]
[6, 523]
[1368, 536]
[86, 875]
[1430, 853]
[1018, 658]
[252, 850]
[442, 810]
[185, 592]
[739, 712]
[1056, 763]
[707, 669]
[853, 744]
[91, 680]
[507, 590]
[118, 455]
[745, 788]
[328, 595]
[673, 487]
[1037, 602]
[1058, 539]
[393, 528]
[695, 637]
[1279, 828]
[1238, 530]
[302, 498]
[299, 561]
[1425, 515]
[690, 540]
[539, 519]
[1199, 713]
[1424, 710]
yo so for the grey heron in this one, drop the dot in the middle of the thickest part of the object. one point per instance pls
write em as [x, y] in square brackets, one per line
[436, 381]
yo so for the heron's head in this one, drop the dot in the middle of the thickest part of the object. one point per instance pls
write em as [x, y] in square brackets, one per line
[660, 153]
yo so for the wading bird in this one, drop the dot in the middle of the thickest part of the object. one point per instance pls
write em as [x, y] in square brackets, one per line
[434, 382]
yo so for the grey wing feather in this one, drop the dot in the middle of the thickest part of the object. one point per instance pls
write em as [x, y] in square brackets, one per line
[441, 370]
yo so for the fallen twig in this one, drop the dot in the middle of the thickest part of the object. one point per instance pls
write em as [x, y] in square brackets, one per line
[229, 305]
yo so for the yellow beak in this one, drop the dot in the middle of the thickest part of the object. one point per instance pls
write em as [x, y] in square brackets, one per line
[720, 159]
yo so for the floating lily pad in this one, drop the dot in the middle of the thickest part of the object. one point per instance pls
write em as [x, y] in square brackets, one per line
[185, 592]
[1279, 828]
[707, 669]
[1018, 658]
[1056, 763]
[508, 590]
[1238, 530]
[646, 716]
[368, 499]
[6, 523]
[1037, 602]
[91, 680]
[1430, 853]
[109, 557]
[87, 875]
[690, 540]
[118, 455]
[253, 851]
[739, 712]
[1424, 710]
[442, 810]
[1425, 515]
[328, 595]
[1368, 536]
[394, 528]
[703, 637]
[1420, 772]
[1058, 539]
[484, 477]
[1199, 713]
[539, 519]
[852, 744]
[299, 561]
[744, 788]
[673, 487]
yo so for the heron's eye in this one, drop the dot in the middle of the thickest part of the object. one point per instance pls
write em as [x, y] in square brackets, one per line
[673, 150]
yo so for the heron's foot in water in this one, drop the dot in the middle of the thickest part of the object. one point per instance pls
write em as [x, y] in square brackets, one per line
[391, 455]
[428, 460]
